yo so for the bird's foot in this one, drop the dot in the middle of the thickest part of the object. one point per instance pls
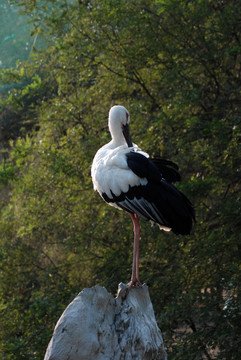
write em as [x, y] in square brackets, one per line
[134, 283]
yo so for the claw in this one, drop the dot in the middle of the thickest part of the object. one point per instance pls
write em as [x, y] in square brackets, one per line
[134, 283]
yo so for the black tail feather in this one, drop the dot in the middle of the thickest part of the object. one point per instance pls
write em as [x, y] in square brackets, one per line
[177, 209]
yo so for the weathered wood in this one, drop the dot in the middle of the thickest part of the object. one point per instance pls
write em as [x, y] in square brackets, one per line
[95, 326]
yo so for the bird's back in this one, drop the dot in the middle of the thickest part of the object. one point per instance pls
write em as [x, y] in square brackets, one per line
[110, 172]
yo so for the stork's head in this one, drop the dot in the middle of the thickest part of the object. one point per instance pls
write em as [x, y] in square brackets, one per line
[119, 118]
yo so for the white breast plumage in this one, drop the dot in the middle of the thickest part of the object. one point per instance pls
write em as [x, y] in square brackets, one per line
[110, 172]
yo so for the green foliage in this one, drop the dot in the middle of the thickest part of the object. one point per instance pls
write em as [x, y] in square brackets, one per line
[176, 66]
[7, 172]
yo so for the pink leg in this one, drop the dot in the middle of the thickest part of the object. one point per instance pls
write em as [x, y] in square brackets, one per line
[135, 266]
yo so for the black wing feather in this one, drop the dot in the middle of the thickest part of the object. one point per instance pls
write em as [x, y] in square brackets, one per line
[153, 168]
[158, 200]
[168, 169]
[142, 166]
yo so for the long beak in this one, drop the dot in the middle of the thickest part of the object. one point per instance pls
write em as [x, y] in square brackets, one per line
[126, 133]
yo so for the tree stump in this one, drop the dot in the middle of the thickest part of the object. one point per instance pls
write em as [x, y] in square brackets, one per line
[97, 326]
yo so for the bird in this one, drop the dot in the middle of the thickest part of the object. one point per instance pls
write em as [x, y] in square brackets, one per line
[128, 179]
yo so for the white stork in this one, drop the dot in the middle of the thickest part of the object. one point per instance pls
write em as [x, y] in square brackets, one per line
[128, 179]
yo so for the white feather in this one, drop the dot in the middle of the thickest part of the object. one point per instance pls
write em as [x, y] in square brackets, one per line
[109, 171]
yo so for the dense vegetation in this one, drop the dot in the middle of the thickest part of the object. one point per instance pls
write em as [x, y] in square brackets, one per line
[176, 65]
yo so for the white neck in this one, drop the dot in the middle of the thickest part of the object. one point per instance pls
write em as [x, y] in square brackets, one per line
[117, 137]
[117, 117]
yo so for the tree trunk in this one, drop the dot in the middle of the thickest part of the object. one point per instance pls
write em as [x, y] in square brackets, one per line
[95, 326]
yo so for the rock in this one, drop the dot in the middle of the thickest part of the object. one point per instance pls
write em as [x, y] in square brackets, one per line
[95, 326]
